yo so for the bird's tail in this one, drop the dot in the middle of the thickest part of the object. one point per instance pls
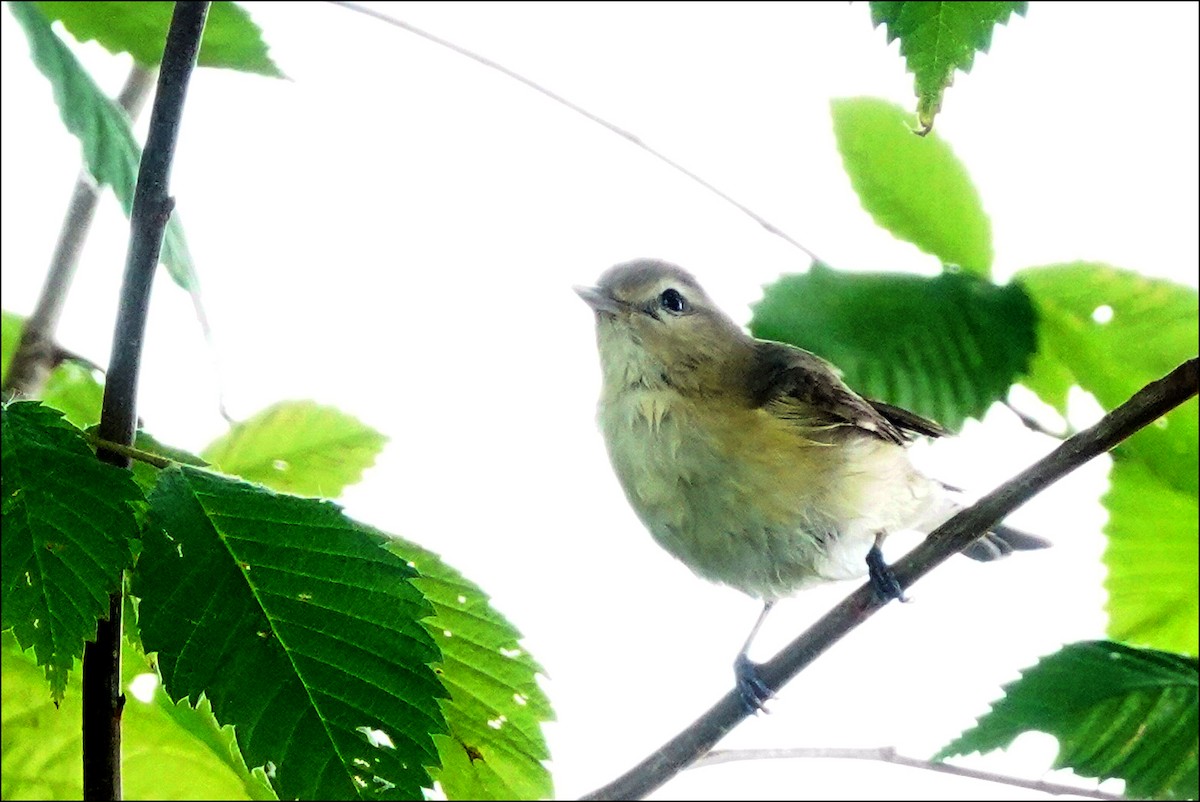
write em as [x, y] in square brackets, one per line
[1000, 541]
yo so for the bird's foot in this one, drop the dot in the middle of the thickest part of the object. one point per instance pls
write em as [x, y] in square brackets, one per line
[751, 688]
[882, 579]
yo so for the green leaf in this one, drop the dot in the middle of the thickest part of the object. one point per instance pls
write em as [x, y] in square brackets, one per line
[231, 39]
[495, 746]
[938, 38]
[1113, 331]
[146, 755]
[168, 751]
[67, 529]
[944, 347]
[1054, 379]
[1153, 582]
[72, 389]
[298, 447]
[40, 743]
[10, 337]
[147, 475]
[913, 186]
[1116, 712]
[300, 628]
[192, 728]
[110, 152]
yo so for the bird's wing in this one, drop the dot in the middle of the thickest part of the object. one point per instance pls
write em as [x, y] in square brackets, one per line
[797, 382]
[909, 422]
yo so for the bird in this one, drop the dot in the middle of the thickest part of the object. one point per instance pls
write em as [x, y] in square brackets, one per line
[752, 461]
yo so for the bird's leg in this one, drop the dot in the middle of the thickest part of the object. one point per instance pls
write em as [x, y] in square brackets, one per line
[882, 579]
[753, 690]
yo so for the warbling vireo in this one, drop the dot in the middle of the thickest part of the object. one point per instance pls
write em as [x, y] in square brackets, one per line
[752, 461]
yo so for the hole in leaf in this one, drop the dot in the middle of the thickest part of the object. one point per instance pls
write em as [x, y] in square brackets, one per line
[376, 738]
[1102, 314]
[143, 686]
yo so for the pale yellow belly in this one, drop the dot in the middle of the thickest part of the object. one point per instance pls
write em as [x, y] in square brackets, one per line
[754, 502]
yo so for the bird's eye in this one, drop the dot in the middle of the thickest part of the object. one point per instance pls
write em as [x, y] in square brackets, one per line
[672, 301]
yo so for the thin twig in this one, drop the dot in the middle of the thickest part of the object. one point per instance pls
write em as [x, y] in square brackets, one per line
[155, 460]
[36, 355]
[1147, 405]
[887, 754]
[1032, 424]
[621, 132]
[103, 701]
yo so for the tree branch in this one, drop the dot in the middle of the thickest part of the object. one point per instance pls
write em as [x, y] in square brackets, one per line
[37, 354]
[1147, 405]
[102, 698]
[621, 132]
[887, 754]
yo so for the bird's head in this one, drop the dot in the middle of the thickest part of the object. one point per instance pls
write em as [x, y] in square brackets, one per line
[656, 327]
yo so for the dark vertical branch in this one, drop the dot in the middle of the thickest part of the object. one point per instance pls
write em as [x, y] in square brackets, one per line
[102, 697]
[36, 354]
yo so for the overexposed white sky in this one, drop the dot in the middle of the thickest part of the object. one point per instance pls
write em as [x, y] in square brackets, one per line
[396, 231]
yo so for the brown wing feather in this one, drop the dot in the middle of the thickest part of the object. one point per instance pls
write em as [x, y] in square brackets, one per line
[784, 372]
[907, 421]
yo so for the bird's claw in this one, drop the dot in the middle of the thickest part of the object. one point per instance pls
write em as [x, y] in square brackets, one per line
[753, 692]
[883, 580]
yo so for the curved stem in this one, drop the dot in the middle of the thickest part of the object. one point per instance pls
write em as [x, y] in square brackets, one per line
[621, 132]
[1032, 424]
[155, 460]
[887, 754]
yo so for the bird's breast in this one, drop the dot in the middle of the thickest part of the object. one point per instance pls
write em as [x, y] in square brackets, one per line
[738, 495]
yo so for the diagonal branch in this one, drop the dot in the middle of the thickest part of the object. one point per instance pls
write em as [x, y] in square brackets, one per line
[887, 754]
[1147, 405]
[580, 110]
[37, 353]
[103, 701]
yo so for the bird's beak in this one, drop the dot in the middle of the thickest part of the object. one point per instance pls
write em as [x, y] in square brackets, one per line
[599, 300]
